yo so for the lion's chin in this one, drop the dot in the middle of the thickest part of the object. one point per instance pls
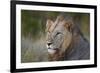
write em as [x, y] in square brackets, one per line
[51, 51]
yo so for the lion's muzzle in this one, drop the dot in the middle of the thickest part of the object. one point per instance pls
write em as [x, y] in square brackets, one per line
[51, 48]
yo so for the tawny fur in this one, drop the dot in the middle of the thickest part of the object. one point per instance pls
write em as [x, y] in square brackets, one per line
[69, 43]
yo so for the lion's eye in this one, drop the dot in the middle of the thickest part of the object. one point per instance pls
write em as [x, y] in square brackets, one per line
[58, 33]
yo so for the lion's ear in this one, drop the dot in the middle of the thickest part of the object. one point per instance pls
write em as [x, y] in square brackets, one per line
[48, 24]
[69, 25]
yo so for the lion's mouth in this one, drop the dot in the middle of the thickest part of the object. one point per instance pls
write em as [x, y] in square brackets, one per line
[52, 50]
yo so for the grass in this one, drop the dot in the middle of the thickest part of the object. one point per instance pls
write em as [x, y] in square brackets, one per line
[33, 50]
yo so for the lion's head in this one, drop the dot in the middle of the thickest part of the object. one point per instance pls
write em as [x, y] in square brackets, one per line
[58, 36]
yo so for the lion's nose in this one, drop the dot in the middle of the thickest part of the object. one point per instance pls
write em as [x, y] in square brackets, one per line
[49, 44]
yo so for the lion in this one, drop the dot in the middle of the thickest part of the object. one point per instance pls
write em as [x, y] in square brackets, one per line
[65, 41]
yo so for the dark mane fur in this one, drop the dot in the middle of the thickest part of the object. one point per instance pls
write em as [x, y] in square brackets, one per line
[79, 48]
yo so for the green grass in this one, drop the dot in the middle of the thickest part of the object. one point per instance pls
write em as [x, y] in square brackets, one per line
[33, 50]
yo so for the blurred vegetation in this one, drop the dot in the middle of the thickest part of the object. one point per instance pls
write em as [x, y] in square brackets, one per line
[33, 24]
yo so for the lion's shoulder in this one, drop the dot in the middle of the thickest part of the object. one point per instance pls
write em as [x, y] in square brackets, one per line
[80, 50]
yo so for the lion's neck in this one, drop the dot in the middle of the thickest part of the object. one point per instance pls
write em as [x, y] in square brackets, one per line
[79, 46]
